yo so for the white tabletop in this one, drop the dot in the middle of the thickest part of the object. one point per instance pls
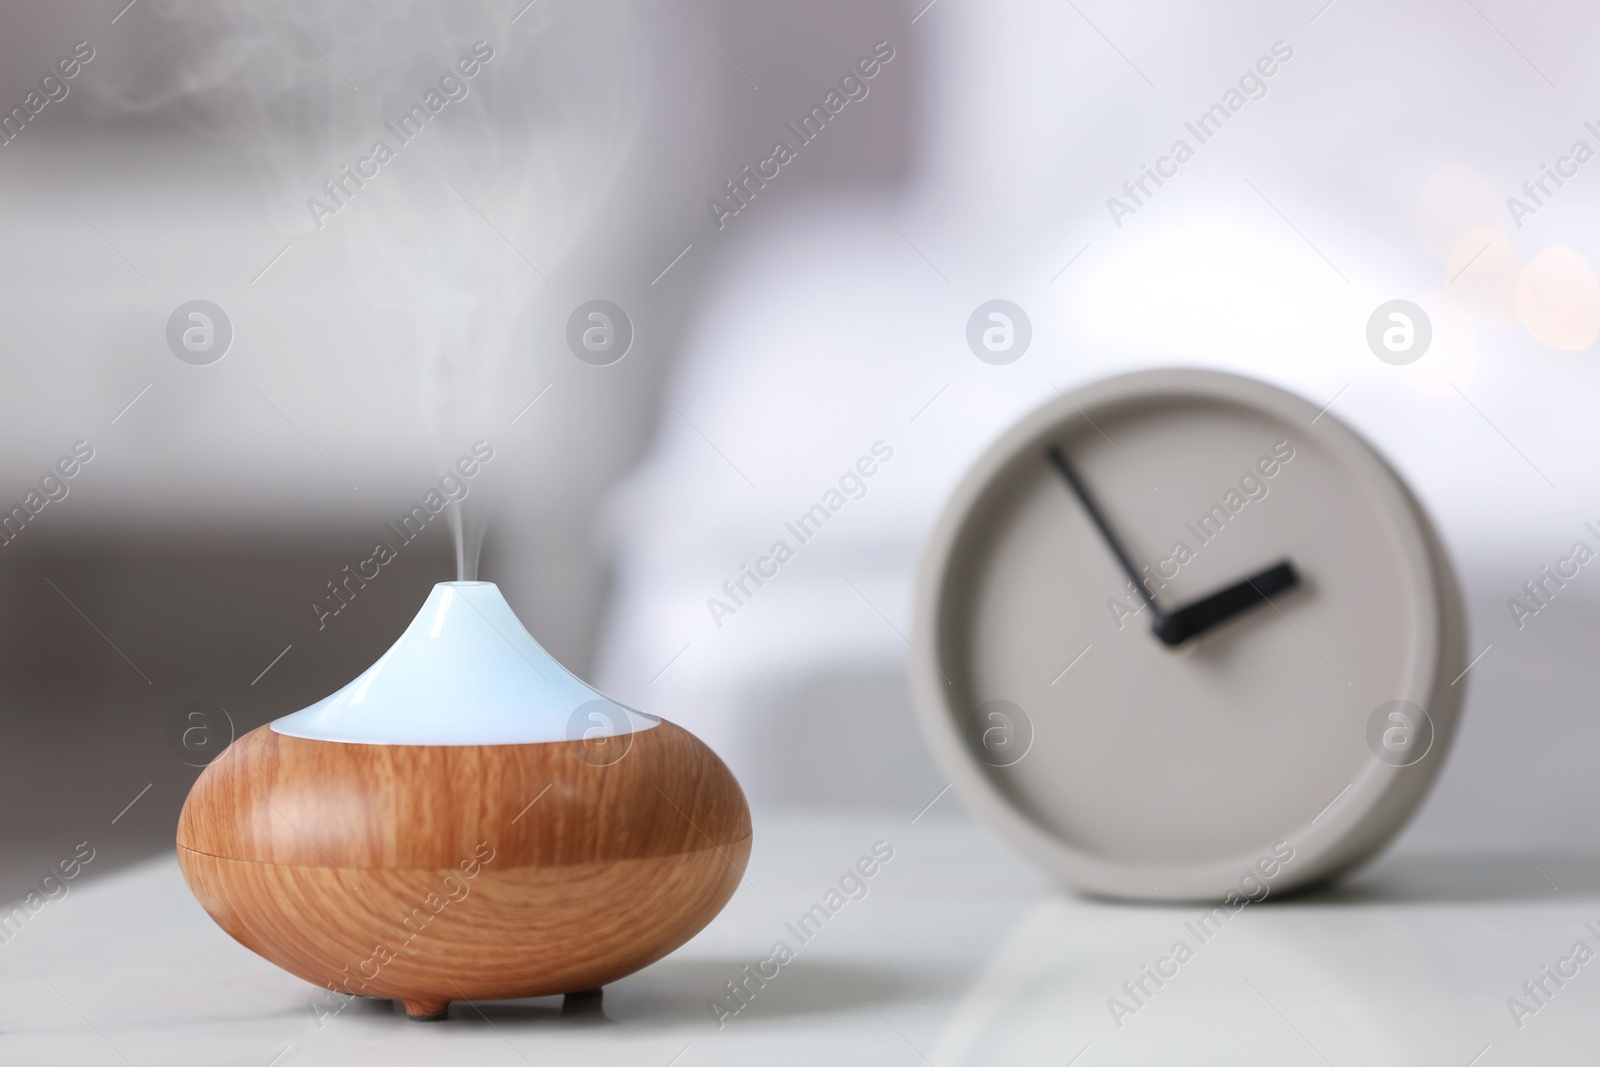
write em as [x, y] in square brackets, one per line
[958, 954]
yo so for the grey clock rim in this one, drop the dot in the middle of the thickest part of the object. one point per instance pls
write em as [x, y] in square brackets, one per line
[1381, 799]
[1025, 718]
[1426, 718]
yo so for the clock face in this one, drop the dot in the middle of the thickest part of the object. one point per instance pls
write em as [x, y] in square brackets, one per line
[1276, 682]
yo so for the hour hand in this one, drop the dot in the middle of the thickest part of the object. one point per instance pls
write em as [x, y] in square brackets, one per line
[1191, 620]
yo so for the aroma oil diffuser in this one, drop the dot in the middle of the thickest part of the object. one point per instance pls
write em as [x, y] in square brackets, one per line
[465, 820]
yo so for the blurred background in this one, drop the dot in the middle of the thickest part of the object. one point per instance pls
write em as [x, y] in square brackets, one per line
[364, 332]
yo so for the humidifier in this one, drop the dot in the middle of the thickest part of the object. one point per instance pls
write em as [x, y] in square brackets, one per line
[467, 819]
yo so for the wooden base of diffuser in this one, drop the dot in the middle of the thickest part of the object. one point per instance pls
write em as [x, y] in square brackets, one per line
[428, 874]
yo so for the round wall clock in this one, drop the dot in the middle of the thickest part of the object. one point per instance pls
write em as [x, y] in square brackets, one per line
[1182, 636]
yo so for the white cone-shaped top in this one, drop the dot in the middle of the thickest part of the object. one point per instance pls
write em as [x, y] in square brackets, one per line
[465, 672]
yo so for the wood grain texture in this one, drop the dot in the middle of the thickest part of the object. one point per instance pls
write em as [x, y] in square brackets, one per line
[434, 873]
[276, 799]
[516, 932]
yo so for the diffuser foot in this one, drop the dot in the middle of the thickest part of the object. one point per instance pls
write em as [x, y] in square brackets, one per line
[584, 1003]
[426, 1011]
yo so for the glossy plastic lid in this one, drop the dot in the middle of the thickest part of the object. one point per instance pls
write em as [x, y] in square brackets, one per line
[465, 672]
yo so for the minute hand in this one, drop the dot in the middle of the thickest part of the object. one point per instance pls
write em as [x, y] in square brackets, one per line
[1200, 616]
[1100, 523]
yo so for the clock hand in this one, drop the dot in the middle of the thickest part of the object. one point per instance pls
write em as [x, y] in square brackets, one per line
[1196, 618]
[1082, 494]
